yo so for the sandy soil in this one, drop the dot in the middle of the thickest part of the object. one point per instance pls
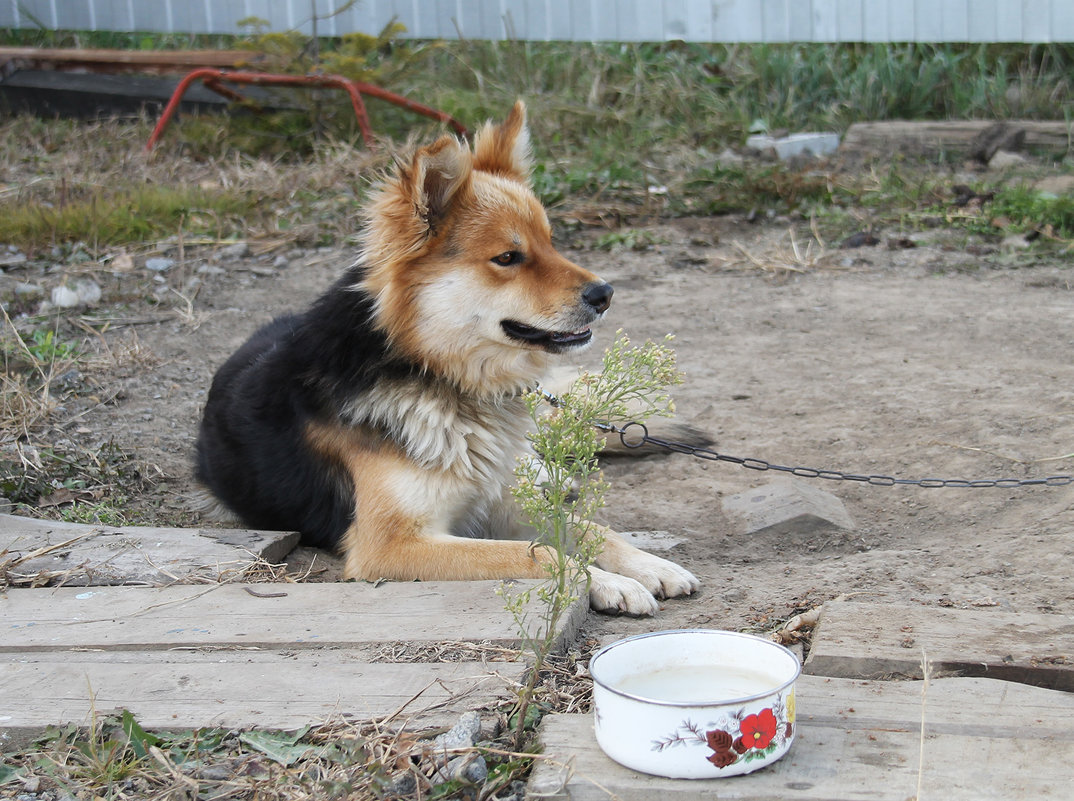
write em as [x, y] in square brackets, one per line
[918, 362]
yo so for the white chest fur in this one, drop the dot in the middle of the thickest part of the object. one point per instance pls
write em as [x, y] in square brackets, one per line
[473, 444]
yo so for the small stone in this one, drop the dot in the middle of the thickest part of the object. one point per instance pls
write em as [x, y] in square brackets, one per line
[159, 264]
[468, 767]
[1015, 242]
[67, 380]
[462, 735]
[235, 251]
[728, 158]
[788, 507]
[281, 262]
[64, 297]
[1004, 159]
[403, 785]
[12, 260]
[799, 144]
[29, 291]
[89, 291]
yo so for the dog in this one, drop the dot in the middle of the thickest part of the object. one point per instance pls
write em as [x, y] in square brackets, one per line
[386, 421]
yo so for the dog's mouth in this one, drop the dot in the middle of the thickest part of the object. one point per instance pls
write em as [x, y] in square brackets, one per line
[549, 340]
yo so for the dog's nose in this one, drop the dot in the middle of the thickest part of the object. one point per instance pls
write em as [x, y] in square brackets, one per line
[598, 295]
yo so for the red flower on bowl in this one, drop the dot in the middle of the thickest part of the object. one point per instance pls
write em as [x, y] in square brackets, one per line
[758, 730]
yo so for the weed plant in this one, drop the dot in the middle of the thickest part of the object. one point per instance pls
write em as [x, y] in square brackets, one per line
[561, 492]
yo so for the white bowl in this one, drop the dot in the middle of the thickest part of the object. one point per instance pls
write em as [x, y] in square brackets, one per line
[694, 703]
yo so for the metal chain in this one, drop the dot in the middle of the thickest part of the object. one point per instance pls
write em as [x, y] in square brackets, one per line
[635, 435]
[637, 439]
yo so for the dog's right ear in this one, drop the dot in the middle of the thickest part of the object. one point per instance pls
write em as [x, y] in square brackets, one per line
[436, 176]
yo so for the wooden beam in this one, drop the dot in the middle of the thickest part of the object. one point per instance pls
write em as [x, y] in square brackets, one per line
[105, 60]
[982, 739]
[958, 137]
[863, 640]
[259, 615]
[78, 554]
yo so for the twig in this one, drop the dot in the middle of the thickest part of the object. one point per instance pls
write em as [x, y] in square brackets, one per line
[926, 670]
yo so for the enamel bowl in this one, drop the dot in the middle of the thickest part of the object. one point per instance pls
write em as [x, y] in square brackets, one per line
[694, 703]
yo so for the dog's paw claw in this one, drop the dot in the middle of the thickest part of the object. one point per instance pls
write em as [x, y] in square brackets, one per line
[661, 577]
[610, 592]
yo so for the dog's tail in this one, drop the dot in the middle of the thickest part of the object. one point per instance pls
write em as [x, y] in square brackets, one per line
[211, 509]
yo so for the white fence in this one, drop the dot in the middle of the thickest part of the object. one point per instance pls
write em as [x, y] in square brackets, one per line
[581, 20]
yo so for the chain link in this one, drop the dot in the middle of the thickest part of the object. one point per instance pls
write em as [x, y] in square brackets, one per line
[635, 435]
[636, 439]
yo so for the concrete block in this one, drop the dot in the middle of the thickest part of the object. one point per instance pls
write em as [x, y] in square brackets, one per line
[799, 144]
[788, 506]
[651, 540]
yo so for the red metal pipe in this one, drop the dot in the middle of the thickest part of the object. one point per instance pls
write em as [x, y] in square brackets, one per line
[212, 76]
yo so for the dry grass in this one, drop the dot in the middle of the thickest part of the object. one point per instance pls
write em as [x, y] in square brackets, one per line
[114, 758]
[92, 182]
[26, 397]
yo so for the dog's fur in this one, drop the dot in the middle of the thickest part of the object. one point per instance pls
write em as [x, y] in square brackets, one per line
[386, 421]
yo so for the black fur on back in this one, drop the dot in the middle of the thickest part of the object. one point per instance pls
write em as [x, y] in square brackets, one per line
[251, 450]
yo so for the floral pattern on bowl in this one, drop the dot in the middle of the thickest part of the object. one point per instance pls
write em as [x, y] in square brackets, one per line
[738, 737]
[694, 703]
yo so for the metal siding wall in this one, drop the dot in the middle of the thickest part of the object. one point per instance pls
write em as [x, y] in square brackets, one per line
[584, 20]
[983, 22]
[1037, 18]
[737, 21]
[1062, 21]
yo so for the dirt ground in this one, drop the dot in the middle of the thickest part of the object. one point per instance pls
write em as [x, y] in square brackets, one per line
[913, 362]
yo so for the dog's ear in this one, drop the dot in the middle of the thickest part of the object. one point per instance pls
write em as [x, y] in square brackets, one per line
[437, 174]
[505, 149]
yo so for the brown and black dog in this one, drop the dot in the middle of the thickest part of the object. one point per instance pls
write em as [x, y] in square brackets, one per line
[386, 421]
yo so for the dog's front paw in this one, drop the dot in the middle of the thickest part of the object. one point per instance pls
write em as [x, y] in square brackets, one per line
[659, 576]
[610, 592]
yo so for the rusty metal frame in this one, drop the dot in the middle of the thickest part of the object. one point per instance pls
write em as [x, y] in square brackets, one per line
[214, 78]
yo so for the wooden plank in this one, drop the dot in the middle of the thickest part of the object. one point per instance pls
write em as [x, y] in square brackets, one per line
[862, 640]
[190, 656]
[239, 690]
[98, 554]
[228, 615]
[932, 138]
[129, 60]
[983, 740]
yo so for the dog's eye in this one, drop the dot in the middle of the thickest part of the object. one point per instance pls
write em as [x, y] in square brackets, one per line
[507, 258]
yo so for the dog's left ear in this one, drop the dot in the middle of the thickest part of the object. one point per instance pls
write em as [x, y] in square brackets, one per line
[438, 173]
[505, 149]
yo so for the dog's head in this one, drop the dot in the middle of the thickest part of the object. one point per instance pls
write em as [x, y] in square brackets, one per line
[458, 255]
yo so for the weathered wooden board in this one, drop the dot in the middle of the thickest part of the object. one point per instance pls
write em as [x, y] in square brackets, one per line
[236, 689]
[292, 654]
[77, 554]
[954, 136]
[983, 740]
[862, 640]
[134, 60]
[228, 615]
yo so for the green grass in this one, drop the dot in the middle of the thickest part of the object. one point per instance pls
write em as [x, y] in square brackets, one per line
[125, 214]
[1023, 209]
[608, 121]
